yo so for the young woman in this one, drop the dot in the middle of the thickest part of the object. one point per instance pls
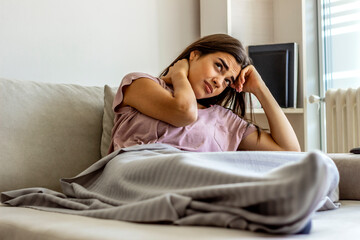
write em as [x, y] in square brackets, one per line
[198, 103]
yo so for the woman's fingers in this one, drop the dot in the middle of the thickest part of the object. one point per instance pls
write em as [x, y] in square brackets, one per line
[237, 85]
[240, 81]
[244, 73]
[182, 66]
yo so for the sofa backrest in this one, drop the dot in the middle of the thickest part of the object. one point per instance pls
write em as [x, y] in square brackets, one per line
[47, 131]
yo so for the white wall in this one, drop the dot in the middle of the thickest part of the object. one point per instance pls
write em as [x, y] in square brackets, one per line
[215, 17]
[253, 21]
[92, 42]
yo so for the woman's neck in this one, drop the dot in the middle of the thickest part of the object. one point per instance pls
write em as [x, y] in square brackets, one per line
[200, 106]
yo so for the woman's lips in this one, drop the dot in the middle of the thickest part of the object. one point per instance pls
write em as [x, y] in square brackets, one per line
[208, 88]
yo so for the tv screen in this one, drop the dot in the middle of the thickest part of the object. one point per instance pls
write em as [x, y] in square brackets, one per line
[277, 65]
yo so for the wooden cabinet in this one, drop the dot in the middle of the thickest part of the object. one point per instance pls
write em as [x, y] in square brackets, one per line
[275, 21]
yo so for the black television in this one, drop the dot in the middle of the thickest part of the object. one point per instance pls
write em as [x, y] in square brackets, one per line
[277, 65]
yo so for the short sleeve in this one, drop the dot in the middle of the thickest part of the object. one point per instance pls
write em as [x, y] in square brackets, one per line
[237, 125]
[126, 81]
[230, 129]
[249, 129]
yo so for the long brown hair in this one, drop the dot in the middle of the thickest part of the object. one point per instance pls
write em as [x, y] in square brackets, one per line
[229, 98]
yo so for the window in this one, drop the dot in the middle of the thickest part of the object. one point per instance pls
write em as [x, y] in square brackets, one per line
[340, 34]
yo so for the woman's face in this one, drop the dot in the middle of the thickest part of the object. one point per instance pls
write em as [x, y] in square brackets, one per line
[210, 74]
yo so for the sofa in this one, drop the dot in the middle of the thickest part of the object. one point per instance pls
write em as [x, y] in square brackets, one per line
[51, 131]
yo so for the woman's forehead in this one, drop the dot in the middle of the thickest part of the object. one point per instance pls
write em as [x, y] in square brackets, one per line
[229, 61]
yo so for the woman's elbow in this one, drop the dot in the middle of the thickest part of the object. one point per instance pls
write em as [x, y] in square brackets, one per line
[292, 149]
[295, 146]
[186, 115]
[297, 149]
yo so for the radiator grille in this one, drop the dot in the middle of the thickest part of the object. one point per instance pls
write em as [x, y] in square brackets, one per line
[342, 119]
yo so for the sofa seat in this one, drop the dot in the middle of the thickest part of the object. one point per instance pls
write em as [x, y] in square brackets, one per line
[24, 223]
[53, 131]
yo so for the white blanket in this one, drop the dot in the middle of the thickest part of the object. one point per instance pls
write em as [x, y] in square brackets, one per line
[275, 192]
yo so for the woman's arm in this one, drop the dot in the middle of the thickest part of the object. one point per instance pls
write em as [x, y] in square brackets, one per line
[148, 97]
[282, 136]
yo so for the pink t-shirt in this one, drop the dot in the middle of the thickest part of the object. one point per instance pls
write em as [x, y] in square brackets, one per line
[216, 129]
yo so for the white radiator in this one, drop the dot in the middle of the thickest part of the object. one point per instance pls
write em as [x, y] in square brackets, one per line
[342, 119]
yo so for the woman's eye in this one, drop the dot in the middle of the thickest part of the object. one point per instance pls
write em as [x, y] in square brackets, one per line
[228, 82]
[219, 66]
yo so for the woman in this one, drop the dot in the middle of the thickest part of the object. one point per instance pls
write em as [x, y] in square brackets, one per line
[188, 105]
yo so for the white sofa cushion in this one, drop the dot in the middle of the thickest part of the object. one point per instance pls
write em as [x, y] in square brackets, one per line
[48, 131]
[23, 223]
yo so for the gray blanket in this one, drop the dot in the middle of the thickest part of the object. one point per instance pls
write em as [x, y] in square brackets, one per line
[275, 192]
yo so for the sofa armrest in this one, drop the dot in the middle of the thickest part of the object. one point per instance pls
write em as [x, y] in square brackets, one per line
[349, 169]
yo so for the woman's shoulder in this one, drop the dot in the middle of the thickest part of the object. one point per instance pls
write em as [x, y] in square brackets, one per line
[225, 115]
[136, 75]
[234, 122]
[130, 77]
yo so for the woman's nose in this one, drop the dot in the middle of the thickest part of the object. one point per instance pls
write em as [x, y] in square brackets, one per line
[217, 82]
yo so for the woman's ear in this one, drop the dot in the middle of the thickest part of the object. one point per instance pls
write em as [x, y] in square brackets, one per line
[194, 55]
